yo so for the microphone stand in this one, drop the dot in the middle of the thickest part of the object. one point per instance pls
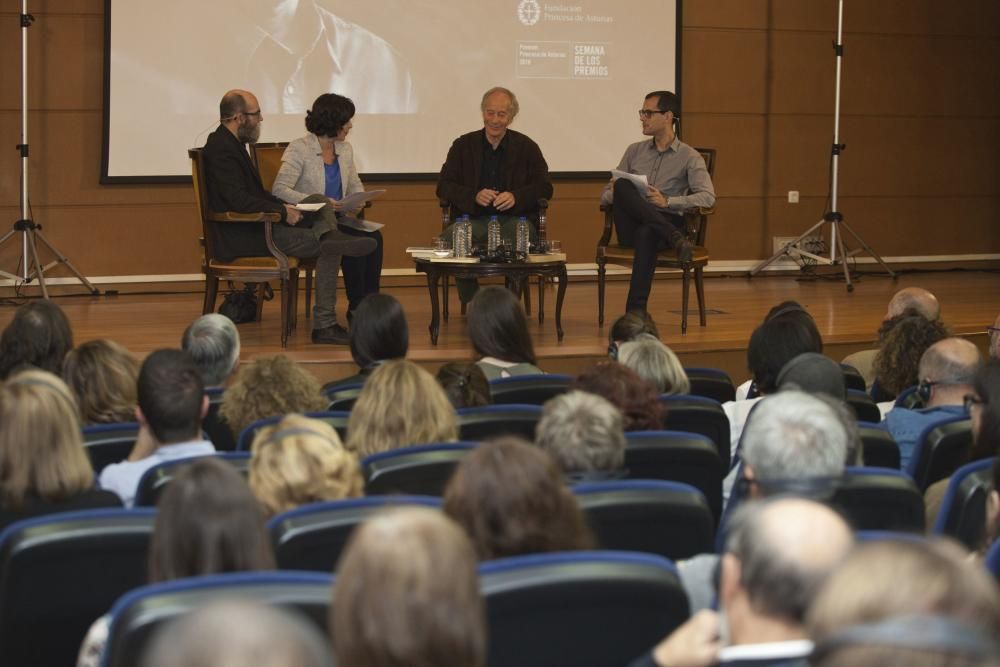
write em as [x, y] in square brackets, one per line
[834, 218]
[31, 232]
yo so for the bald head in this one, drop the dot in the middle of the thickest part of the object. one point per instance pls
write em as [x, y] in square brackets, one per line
[234, 103]
[914, 298]
[784, 549]
[949, 365]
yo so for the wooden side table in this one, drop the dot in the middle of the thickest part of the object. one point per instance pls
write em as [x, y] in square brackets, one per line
[515, 276]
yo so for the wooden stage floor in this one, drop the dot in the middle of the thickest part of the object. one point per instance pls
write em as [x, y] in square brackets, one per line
[848, 321]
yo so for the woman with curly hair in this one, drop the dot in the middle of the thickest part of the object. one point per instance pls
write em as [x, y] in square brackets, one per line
[897, 364]
[103, 377]
[623, 388]
[269, 387]
[510, 498]
[401, 405]
[299, 461]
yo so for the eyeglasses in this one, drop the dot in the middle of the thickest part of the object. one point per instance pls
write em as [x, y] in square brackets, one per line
[993, 330]
[648, 113]
[969, 400]
[252, 113]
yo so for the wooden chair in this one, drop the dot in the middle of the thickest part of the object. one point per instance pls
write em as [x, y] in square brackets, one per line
[278, 267]
[446, 219]
[697, 224]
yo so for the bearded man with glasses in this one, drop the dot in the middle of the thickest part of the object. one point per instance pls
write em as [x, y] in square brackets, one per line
[653, 220]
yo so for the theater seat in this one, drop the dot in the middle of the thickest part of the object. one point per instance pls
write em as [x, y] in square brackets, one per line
[109, 443]
[490, 421]
[941, 449]
[879, 448]
[137, 615]
[585, 609]
[422, 470]
[154, 481]
[711, 383]
[59, 573]
[668, 519]
[528, 389]
[337, 419]
[313, 536]
[864, 407]
[677, 456]
[697, 414]
[880, 499]
[343, 397]
[963, 510]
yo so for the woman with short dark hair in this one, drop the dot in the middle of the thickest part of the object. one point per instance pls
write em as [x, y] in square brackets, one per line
[38, 336]
[322, 163]
[498, 330]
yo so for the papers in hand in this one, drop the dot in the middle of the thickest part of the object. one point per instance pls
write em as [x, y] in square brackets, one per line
[640, 181]
[358, 199]
[309, 207]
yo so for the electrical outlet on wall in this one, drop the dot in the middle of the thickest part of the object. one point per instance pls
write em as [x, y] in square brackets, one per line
[793, 196]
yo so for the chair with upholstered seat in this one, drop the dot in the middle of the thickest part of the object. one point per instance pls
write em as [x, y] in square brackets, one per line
[963, 510]
[420, 470]
[528, 389]
[154, 481]
[336, 418]
[277, 266]
[941, 449]
[109, 443]
[697, 414]
[697, 223]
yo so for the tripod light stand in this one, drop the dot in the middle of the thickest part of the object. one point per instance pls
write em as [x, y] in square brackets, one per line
[31, 233]
[838, 251]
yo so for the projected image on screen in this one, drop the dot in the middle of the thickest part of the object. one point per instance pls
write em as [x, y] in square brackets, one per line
[415, 69]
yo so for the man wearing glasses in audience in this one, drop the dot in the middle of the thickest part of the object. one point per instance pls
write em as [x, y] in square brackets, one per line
[653, 220]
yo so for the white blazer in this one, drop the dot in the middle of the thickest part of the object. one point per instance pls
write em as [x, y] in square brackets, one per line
[302, 172]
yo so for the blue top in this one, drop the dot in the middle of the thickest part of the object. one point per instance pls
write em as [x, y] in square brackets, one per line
[334, 184]
[906, 425]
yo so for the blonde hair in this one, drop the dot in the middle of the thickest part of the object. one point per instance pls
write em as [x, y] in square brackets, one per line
[299, 461]
[41, 445]
[407, 594]
[400, 405]
[103, 376]
[268, 387]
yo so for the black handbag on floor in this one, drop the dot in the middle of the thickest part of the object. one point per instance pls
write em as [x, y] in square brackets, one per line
[240, 305]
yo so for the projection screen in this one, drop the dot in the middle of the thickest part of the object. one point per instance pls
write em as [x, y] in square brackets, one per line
[416, 70]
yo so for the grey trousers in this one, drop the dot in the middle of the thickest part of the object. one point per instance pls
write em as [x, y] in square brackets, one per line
[305, 240]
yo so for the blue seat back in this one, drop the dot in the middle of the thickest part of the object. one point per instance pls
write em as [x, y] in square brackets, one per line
[880, 499]
[697, 414]
[337, 419]
[963, 509]
[941, 449]
[343, 397]
[490, 421]
[155, 480]
[312, 537]
[865, 409]
[137, 615]
[109, 443]
[587, 609]
[879, 448]
[60, 572]
[421, 470]
[528, 389]
[711, 383]
[669, 519]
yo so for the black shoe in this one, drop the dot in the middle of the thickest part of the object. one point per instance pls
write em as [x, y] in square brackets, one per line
[684, 250]
[347, 245]
[332, 335]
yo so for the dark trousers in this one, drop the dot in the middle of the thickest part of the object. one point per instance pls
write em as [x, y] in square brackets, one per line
[362, 275]
[642, 226]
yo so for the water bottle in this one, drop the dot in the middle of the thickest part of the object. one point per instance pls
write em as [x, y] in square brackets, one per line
[466, 236]
[460, 238]
[493, 236]
[523, 235]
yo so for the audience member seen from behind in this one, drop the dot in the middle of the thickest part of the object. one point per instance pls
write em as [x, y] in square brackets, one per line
[983, 406]
[103, 377]
[897, 364]
[635, 398]
[172, 403]
[379, 333]
[655, 363]
[583, 432]
[906, 602]
[214, 345]
[270, 387]
[39, 336]
[628, 327]
[44, 468]
[465, 384]
[794, 314]
[498, 330]
[237, 633]
[946, 371]
[510, 498]
[777, 555]
[207, 522]
[401, 405]
[407, 593]
[300, 461]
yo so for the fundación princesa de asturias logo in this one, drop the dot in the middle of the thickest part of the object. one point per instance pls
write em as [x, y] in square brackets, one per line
[528, 12]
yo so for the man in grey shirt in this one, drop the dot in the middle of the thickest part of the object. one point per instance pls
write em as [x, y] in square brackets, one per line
[678, 180]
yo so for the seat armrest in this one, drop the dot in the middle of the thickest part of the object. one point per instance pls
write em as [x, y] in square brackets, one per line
[608, 210]
[230, 216]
